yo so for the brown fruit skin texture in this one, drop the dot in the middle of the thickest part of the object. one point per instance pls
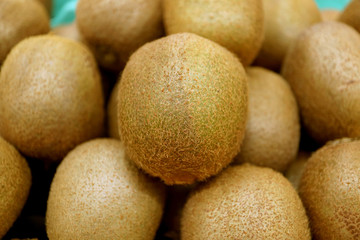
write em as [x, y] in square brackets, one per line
[329, 189]
[273, 126]
[284, 20]
[245, 202]
[323, 69]
[351, 15]
[182, 108]
[114, 29]
[295, 170]
[50, 97]
[330, 14]
[97, 193]
[112, 109]
[15, 182]
[20, 19]
[70, 31]
[236, 25]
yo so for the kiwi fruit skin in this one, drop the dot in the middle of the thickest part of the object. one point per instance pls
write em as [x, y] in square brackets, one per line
[236, 25]
[182, 108]
[48, 5]
[330, 14]
[296, 168]
[329, 189]
[20, 19]
[50, 97]
[284, 21]
[322, 68]
[272, 133]
[112, 109]
[70, 31]
[351, 15]
[114, 29]
[245, 202]
[98, 193]
[15, 182]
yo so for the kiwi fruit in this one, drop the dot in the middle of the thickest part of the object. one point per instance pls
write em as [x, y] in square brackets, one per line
[295, 170]
[70, 31]
[236, 25]
[182, 108]
[351, 15]
[50, 97]
[329, 189]
[329, 14]
[48, 5]
[15, 182]
[20, 19]
[322, 68]
[98, 193]
[272, 133]
[245, 202]
[114, 29]
[284, 20]
[112, 119]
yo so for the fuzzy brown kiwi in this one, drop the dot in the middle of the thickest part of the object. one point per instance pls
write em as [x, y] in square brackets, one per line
[351, 15]
[296, 169]
[323, 69]
[98, 193]
[48, 5]
[15, 182]
[112, 109]
[70, 31]
[273, 126]
[236, 25]
[115, 29]
[20, 19]
[182, 108]
[245, 202]
[284, 20]
[50, 97]
[329, 189]
[330, 14]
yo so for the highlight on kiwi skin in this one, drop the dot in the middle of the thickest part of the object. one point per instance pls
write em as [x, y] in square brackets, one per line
[20, 19]
[236, 25]
[188, 124]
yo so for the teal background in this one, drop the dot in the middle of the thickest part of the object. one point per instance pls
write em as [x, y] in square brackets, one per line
[64, 10]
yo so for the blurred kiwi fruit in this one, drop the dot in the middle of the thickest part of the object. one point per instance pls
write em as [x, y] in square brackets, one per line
[20, 19]
[48, 5]
[273, 126]
[330, 14]
[245, 202]
[182, 108]
[15, 182]
[114, 29]
[50, 97]
[112, 109]
[236, 25]
[70, 31]
[98, 193]
[329, 189]
[351, 15]
[296, 169]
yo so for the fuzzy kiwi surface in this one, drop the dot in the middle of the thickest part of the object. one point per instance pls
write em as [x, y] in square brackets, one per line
[20, 19]
[98, 193]
[114, 29]
[329, 189]
[351, 15]
[296, 169]
[272, 133]
[245, 202]
[15, 182]
[182, 108]
[236, 25]
[50, 97]
[323, 69]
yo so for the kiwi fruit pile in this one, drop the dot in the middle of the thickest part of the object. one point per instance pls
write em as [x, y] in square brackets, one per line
[180, 120]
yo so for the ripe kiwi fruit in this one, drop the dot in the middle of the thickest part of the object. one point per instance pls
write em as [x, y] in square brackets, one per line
[182, 108]
[112, 119]
[98, 193]
[296, 169]
[15, 182]
[284, 20]
[48, 5]
[245, 202]
[329, 189]
[70, 31]
[273, 126]
[351, 14]
[114, 29]
[20, 19]
[323, 69]
[50, 97]
[329, 14]
[236, 25]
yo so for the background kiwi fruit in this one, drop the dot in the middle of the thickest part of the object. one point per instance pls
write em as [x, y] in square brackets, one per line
[330, 14]
[112, 109]
[48, 5]
[351, 15]
[273, 127]
[15, 182]
[323, 69]
[296, 168]
[97, 193]
[245, 202]
[329, 189]
[20, 19]
[50, 97]
[70, 31]
[182, 107]
[236, 25]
